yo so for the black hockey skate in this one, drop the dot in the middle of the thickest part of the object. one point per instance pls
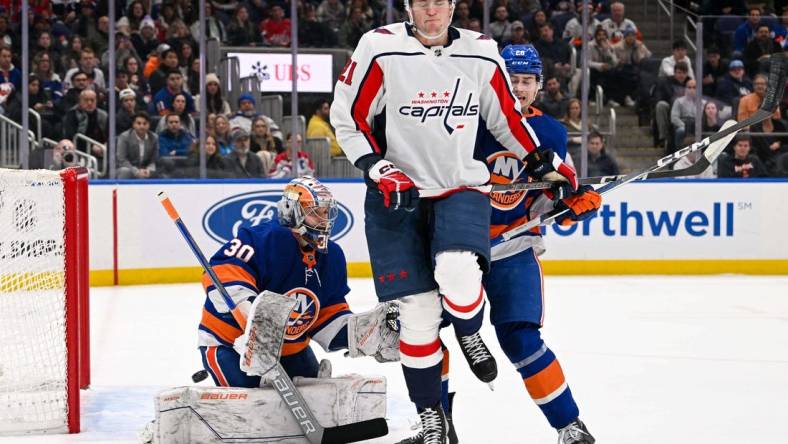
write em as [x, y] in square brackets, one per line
[419, 438]
[575, 433]
[434, 428]
[479, 357]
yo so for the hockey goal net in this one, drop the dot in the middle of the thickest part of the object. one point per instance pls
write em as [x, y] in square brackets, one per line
[43, 299]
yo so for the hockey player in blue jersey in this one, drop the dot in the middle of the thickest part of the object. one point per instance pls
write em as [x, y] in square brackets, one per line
[514, 283]
[292, 256]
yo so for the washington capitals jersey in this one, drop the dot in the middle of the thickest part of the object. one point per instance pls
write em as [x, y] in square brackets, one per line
[510, 209]
[269, 257]
[433, 100]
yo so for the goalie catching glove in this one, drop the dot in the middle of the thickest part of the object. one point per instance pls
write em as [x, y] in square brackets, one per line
[397, 188]
[580, 206]
[375, 333]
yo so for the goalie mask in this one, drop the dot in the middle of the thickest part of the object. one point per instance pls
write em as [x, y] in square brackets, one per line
[308, 208]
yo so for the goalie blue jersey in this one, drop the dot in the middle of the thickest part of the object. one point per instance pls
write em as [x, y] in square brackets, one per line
[269, 257]
[511, 209]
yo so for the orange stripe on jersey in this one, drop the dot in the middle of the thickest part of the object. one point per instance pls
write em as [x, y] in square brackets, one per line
[210, 354]
[532, 112]
[445, 365]
[497, 230]
[291, 348]
[220, 328]
[228, 273]
[546, 381]
[327, 312]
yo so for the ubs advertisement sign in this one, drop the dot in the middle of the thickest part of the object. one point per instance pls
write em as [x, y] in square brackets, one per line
[273, 70]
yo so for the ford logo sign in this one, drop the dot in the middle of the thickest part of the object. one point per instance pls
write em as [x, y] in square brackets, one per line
[223, 220]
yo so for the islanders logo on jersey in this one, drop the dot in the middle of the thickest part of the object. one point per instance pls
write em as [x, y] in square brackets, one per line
[304, 314]
[223, 220]
[506, 167]
[441, 103]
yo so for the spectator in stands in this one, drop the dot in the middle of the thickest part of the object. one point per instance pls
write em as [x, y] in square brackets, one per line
[41, 102]
[247, 112]
[214, 100]
[519, 35]
[193, 78]
[746, 31]
[682, 114]
[599, 162]
[319, 127]
[553, 102]
[138, 150]
[44, 45]
[332, 13]
[602, 62]
[100, 41]
[462, 15]
[766, 147]
[574, 27]
[276, 28]
[178, 107]
[162, 101]
[314, 33]
[475, 25]
[366, 10]
[245, 163]
[122, 26]
[241, 31]
[262, 143]
[71, 54]
[217, 166]
[630, 52]
[86, 118]
[178, 35]
[574, 124]
[667, 91]
[136, 80]
[283, 166]
[711, 118]
[617, 23]
[70, 99]
[135, 13]
[146, 41]
[741, 164]
[221, 130]
[8, 72]
[87, 64]
[168, 62]
[123, 49]
[501, 27]
[7, 36]
[354, 27]
[50, 81]
[679, 55]
[174, 141]
[757, 52]
[555, 53]
[713, 69]
[124, 119]
[167, 15]
[734, 84]
[213, 25]
[533, 25]
[85, 24]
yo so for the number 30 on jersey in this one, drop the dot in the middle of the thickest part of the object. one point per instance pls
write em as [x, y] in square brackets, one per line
[239, 250]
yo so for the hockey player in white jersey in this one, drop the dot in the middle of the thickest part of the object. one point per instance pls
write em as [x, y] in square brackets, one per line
[406, 110]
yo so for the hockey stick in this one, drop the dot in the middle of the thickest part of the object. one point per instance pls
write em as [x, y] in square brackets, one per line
[774, 93]
[313, 431]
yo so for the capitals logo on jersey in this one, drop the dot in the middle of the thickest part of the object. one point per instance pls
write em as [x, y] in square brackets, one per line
[304, 313]
[505, 167]
[437, 103]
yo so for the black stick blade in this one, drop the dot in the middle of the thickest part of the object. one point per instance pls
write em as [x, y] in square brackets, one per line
[778, 68]
[358, 431]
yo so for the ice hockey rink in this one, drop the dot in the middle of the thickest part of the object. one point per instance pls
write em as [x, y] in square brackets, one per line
[649, 359]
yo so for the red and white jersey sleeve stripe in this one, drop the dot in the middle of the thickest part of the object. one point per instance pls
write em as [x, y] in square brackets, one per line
[356, 97]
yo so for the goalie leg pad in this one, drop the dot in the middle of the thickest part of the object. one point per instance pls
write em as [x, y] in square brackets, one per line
[220, 415]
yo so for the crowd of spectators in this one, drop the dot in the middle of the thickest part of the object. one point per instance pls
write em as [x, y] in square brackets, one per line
[157, 73]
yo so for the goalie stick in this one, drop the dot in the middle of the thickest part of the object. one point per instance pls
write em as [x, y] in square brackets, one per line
[291, 397]
[774, 93]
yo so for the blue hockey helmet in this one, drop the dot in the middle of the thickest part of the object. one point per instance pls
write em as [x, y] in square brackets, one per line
[522, 59]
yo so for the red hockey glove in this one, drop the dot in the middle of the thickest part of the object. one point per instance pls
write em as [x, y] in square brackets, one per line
[397, 188]
[581, 205]
[545, 165]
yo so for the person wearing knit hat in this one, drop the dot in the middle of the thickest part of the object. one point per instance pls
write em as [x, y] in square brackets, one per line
[215, 101]
[247, 113]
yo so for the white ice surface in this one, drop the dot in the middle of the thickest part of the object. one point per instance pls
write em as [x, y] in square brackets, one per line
[649, 360]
